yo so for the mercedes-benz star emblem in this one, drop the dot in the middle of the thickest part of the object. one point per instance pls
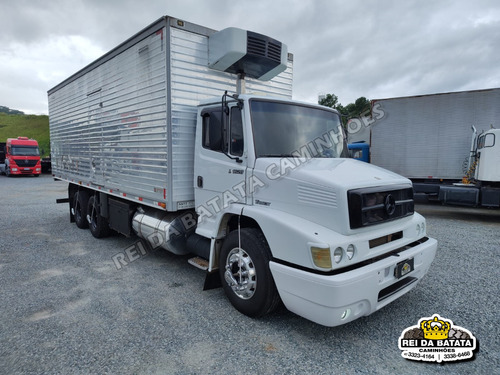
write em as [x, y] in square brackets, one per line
[389, 204]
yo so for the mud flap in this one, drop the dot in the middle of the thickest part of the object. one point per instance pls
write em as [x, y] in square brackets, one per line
[212, 280]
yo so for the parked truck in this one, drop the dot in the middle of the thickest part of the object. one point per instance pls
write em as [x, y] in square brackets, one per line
[20, 156]
[164, 137]
[445, 143]
[2, 153]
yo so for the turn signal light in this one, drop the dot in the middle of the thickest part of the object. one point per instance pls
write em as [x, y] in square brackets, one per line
[321, 257]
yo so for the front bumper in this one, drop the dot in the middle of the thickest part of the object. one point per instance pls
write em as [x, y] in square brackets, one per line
[25, 170]
[333, 300]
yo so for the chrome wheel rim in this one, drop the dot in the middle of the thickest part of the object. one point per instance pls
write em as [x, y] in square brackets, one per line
[240, 273]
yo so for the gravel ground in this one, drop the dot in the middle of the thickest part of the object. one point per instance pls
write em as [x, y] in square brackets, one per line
[66, 309]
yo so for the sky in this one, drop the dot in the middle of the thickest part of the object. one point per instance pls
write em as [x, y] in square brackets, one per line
[350, 48]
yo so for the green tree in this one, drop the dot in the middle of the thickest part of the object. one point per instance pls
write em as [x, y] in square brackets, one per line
[329, 100]
[360, 107]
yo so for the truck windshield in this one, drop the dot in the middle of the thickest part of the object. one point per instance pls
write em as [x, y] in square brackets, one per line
[24, 151]
[289, 130]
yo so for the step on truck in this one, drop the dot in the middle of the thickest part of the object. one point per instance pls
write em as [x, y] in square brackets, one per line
[20, 156]
[188, 138]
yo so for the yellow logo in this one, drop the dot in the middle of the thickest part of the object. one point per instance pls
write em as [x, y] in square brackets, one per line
[435, 329]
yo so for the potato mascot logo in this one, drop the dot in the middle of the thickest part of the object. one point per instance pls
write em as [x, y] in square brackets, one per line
[436, 339]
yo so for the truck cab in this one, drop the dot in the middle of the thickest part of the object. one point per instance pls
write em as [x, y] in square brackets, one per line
[22, 157]
[488, 156]
[360, 151]
[289, 214]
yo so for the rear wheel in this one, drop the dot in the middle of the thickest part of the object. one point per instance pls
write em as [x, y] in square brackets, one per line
[245, 274]
[98, 225]
[80, 202]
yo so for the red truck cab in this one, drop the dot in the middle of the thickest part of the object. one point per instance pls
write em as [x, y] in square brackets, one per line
[22, 157]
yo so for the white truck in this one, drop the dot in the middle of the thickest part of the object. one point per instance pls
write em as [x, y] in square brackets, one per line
[445, 143]
[256, 187]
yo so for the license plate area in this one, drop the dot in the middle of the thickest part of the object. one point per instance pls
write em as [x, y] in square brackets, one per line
[404, 268]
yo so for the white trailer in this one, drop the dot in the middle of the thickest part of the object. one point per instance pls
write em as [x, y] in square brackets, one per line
[435, 141]
[256, 187]
[429, 136]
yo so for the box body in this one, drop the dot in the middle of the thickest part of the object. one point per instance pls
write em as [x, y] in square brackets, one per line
[125, 124]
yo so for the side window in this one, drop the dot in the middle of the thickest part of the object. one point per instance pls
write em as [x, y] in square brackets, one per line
[212, 130]
[357, 154]
[489, 140]
[236, 140]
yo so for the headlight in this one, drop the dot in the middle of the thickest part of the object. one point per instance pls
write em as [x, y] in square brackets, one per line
[337, 254]
[350, 251]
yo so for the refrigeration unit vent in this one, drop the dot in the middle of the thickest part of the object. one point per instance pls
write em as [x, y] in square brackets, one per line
[237, 51]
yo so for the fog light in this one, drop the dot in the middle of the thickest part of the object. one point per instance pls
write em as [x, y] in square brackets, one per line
[350, 251]
[321, 257]
[418, 229]
[337, 254]
[345, 314]
[14, 169]
[423, 228]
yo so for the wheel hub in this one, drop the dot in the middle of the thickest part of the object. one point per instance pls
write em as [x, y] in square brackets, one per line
[240, 273]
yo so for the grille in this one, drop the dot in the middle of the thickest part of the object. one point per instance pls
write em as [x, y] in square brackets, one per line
[371, 206]
[25, 163]
[259, 45]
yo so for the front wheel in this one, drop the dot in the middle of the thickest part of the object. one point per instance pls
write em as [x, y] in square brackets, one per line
[245, 274]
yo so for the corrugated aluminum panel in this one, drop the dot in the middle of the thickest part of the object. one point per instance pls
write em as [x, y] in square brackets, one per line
[108, 127]
[430, 136]
[127, 125]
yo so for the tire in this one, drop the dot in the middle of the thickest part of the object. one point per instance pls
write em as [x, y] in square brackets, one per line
[98, 225]
[7, 171]
[80, 202]
[415, 333]
[255, 294]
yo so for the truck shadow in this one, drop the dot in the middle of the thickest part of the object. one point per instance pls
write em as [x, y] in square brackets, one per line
[483, 215]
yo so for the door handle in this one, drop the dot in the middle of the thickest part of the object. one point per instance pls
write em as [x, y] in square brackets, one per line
[200, 182]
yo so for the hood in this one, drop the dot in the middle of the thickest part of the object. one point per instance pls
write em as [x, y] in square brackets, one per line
[316, 189]
[345, 173]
